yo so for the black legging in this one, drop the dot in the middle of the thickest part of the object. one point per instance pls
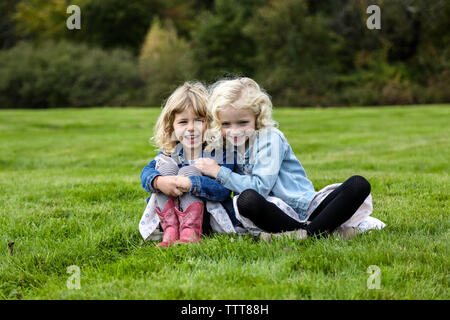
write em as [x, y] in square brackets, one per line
[334, 210]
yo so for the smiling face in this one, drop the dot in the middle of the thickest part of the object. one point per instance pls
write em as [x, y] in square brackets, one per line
[237, 125]
[189, 128]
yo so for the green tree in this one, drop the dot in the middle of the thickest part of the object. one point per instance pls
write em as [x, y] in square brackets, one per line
[297, 52]
[165, 61]
[42, 19]
[106, 23]
[220, 45]
[8, 33]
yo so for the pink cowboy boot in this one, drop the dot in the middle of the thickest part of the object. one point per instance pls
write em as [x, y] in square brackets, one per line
[191, 221]
[169, 223]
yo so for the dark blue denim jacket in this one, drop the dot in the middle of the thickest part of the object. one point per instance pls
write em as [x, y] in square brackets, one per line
[201, 186]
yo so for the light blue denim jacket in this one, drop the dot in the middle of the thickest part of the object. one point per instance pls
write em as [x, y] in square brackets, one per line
[271, 168]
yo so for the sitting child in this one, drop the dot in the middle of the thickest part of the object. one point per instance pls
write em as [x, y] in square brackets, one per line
[275, 194]
[178, 188]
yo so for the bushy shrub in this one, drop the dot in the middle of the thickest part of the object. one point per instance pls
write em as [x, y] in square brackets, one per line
[358, 95]
[395, 92]
[67, 75]
[165, 62]
[437, 88]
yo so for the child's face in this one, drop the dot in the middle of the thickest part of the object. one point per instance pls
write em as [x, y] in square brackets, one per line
[237, 124]
[189, 128]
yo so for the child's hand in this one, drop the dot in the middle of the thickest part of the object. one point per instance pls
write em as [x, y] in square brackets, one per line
[183, 183]
[208, 167]
[169, 185]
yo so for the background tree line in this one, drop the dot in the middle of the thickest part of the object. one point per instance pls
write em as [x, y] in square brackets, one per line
[303, 52]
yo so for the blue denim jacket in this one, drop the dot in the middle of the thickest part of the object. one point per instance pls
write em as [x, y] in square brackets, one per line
[201, 186]
[270, 167]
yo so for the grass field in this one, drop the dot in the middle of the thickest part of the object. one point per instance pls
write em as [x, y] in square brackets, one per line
[70, 194]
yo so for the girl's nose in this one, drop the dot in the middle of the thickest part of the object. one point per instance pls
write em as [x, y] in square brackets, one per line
[235, 132]
[191, 126]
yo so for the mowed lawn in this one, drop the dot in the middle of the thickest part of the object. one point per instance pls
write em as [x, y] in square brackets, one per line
[70, 195]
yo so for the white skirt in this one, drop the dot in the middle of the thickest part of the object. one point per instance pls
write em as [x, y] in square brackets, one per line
[360, 220]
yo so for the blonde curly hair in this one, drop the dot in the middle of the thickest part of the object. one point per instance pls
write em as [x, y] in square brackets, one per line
[239, 93]
[190, 94]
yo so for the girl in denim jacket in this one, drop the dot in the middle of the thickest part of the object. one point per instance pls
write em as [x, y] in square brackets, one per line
[275, 194]
[178, 188]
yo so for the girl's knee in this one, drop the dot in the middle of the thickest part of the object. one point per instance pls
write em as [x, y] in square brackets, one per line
[247, 202]
[166, 168]
[189, 171]
[248, 196]
[360, 185]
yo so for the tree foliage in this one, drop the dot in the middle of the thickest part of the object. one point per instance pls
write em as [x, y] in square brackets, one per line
[303, 52]
[165, 61]
[220, 44]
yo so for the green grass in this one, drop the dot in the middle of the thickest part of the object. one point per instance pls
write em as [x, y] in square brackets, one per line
[70, 194]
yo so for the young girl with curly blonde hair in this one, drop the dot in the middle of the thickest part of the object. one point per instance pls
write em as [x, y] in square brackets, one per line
[275, 194]
[179, 189]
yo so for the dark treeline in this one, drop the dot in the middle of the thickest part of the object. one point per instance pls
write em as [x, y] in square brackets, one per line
[303, 52]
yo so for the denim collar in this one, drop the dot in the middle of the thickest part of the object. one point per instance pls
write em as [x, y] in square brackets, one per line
[179, 156]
